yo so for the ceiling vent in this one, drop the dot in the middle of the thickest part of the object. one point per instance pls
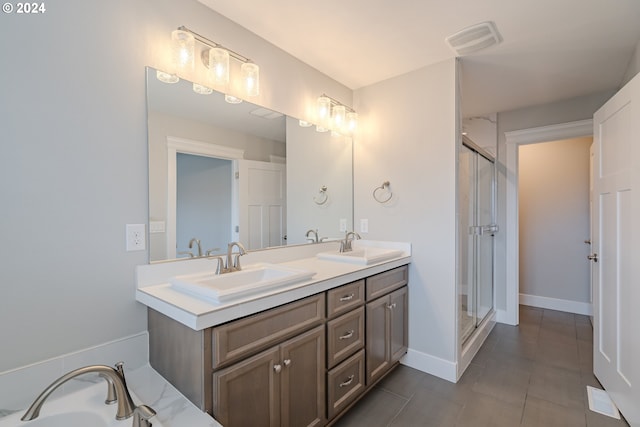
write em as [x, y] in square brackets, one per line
[474, 38]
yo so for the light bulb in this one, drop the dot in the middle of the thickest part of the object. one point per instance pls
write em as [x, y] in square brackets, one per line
[183, 46]
[339, 118]
[323, 106]
[219, 66]
[250, 73]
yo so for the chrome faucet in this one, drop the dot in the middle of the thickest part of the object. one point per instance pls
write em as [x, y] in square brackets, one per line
[117, 392]
[232, 262]
[345, 245]
[196, 241]
[315, 238]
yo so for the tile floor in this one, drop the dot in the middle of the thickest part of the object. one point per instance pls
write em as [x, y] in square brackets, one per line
[534, 374]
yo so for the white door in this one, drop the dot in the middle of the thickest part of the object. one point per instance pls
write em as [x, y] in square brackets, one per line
[616, 241]
[262, 202]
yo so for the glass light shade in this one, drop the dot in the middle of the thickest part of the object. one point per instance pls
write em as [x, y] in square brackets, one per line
[166, 77]
[232, 99]
[219, 66]
[202, 90]
[323, 106]
[250, 73]
[304, 123]
[352, 121]
[321, 128]
[182, 50]
[339, 118]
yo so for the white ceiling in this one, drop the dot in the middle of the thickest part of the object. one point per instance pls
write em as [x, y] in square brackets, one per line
[552, 49]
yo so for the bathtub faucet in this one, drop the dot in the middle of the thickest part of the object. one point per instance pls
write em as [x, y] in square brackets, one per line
[117, 392]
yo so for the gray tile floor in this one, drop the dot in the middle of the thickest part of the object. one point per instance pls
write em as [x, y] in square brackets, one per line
[534, 374]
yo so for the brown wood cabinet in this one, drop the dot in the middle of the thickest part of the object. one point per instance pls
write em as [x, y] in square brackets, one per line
[282, 386]
[387, 323]
[299, 364]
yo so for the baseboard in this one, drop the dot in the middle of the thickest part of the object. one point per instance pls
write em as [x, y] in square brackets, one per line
[432, 365]
[568, 306]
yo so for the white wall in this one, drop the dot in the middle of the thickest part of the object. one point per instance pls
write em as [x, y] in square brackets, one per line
[574, 109]
[554, 220]
[407, 136]
[73, 169]
[634, 65]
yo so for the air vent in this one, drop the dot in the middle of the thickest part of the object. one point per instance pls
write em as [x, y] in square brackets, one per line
[474, 38]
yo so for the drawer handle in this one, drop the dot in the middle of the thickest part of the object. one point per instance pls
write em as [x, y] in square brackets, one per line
[347, 297]
[391, 306]
[347, 382]
[277, 368]
[347, 335]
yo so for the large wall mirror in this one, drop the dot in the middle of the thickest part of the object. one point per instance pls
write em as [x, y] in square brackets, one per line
[222, 172]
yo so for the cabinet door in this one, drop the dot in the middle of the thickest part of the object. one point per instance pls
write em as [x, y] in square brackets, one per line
[377, 341]
[303, 385]
[398, 315]
[247, 394]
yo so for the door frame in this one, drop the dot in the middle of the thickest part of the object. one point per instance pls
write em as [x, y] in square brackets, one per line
[177, 145]
[514, 139]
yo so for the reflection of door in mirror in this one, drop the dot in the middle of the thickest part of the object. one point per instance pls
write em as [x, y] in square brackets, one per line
[203, 205]
[262, 196]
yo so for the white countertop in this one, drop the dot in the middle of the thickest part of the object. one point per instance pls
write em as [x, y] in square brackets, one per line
[155, 291]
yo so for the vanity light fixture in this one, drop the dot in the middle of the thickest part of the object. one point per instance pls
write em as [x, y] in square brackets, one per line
[334, 116]
[216, 58]
[182, 50]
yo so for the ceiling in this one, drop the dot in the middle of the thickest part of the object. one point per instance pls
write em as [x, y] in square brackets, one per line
[551, 49]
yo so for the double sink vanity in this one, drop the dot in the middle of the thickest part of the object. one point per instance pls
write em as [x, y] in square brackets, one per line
[294, 338]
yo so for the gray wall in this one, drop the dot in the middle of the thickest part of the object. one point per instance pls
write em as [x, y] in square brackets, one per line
[73, 169]
[553, 181]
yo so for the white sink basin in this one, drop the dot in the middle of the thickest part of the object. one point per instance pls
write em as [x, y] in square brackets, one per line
[364, 255]
[250, 280]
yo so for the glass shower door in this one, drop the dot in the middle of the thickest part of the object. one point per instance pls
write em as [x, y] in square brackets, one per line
[476, 229]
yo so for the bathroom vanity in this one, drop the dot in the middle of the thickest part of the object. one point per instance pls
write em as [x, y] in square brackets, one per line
[299, 355]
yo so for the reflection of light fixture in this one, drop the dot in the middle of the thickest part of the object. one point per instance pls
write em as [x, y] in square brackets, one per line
[166, 77]
[332, 115]
[216, 58]
[219, 66]
[232, 99]
[250, 78]
[202, 90]
[304, 123]
[182, 48]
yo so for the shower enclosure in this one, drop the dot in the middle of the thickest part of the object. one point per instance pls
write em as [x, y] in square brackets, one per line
[476, 181]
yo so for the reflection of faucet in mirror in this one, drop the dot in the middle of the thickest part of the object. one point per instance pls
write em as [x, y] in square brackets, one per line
[312, 239]
[232, 262]
[117, 389]
[345, 245]
[197, 241]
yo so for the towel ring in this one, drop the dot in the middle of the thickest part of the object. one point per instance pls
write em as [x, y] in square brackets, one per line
[377, 193]
[323, 196]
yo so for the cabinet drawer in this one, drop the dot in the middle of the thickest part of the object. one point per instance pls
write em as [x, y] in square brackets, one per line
[342, 299]
[345, 335]
[383, 283]
[246, 336]
[344, 383]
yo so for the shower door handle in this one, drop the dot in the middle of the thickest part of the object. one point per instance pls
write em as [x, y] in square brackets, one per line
[593, 257]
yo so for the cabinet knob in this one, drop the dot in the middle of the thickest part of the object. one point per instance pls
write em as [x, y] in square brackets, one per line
[391, 306]
[347, 297]
[286, 362]
[277, 368]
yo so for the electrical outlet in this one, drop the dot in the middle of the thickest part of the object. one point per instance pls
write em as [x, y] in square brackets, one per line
[343, 225]
[136, 239]
[364, 225]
